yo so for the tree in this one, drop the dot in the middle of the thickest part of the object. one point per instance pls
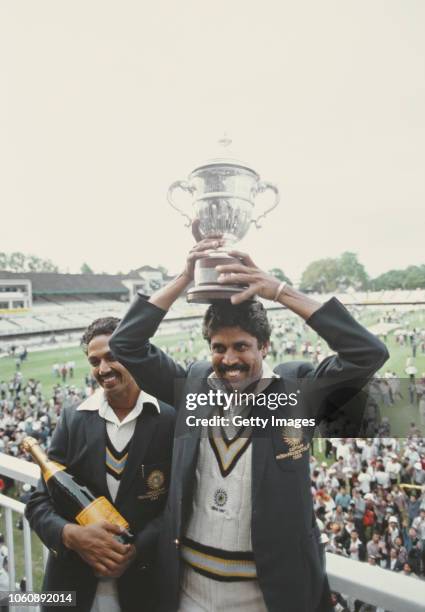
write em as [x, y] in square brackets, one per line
[352, 272]
[334, 274]
[16, 262]
[320, 276]
[163, 270]
[34, 263]
[47, 265]
[413, 277]
[19, 262]
[278, 273]
[3, 261]
[85, 269]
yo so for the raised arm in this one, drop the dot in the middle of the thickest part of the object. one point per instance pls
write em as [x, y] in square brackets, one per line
[359, 353]
[264, 285]
[153, 370]
[334, 385]
[165, 297]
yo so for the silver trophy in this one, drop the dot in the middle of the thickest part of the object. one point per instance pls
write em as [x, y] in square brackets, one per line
[223, 193]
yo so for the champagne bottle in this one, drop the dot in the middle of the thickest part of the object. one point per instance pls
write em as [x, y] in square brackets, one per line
[73, 501]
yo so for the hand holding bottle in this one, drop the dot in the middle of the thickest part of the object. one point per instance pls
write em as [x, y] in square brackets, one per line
[97, 545]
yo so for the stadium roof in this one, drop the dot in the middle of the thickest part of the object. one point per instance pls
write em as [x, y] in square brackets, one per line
[53, 283]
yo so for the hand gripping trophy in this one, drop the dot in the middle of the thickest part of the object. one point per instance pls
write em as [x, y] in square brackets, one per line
[223, 194]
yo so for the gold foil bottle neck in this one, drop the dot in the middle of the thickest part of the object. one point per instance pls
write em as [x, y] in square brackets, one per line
[28, 442]
[48, 467]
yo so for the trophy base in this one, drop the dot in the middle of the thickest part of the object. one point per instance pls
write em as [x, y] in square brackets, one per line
[206, 289]
[208, 294]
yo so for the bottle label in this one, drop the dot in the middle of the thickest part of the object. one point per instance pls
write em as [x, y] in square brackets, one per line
[101, 510]
[52, 468]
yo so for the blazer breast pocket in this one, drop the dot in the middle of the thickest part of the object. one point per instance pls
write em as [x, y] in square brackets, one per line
[291, 450]
[153, 481]
[291, 464]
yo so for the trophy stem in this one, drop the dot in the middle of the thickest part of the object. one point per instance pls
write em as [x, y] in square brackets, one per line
[207, 289]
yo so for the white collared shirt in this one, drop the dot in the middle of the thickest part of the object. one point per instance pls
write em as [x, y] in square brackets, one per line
[119, 432]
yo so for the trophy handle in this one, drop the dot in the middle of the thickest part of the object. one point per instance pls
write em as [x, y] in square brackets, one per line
[184, 185]
[260, 188]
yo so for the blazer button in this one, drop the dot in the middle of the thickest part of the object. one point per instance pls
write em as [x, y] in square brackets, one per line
[177, 542]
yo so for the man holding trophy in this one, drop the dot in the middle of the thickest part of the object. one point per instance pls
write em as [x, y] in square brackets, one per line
[239, 529]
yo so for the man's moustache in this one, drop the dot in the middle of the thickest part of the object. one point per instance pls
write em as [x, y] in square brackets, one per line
[239, 368]
[111, 373]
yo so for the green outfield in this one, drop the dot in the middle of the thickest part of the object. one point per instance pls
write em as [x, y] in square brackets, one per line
[39, 363]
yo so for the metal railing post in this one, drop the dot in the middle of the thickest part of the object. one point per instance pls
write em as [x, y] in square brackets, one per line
[10, 548]
[27, 555]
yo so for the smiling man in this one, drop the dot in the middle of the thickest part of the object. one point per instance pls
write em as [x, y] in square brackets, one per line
[239, 530]
[239, 339]
[118, 443]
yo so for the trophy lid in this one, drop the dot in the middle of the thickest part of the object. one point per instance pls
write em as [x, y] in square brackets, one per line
[225, 157]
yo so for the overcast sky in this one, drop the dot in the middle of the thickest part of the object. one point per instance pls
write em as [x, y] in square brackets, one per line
[103, 104]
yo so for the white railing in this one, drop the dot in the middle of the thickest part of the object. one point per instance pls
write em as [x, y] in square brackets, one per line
[11, 505]
[374, 585]
[389, 590]
[21, 471]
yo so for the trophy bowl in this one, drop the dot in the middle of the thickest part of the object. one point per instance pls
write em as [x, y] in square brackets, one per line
[223, 193]
[223, 200]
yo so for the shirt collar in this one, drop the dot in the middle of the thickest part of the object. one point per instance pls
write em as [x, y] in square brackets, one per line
[98, 402]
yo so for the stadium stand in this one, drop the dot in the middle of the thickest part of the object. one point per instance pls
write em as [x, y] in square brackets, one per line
[54, 303]
[47, 302]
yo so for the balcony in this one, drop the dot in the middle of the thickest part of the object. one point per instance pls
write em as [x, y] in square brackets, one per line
[379, 587]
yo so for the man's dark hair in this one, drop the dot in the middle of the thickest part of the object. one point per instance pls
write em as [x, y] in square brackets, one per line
[250, 316]
[105, 326]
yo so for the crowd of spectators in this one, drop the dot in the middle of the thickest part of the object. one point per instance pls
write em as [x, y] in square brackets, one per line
[369, 500]
[25, 409]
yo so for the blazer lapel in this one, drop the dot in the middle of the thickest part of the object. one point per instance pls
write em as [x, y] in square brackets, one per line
[191, 448]
[96, 444]
[261, 441]
[260, 448]
[146, 424]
